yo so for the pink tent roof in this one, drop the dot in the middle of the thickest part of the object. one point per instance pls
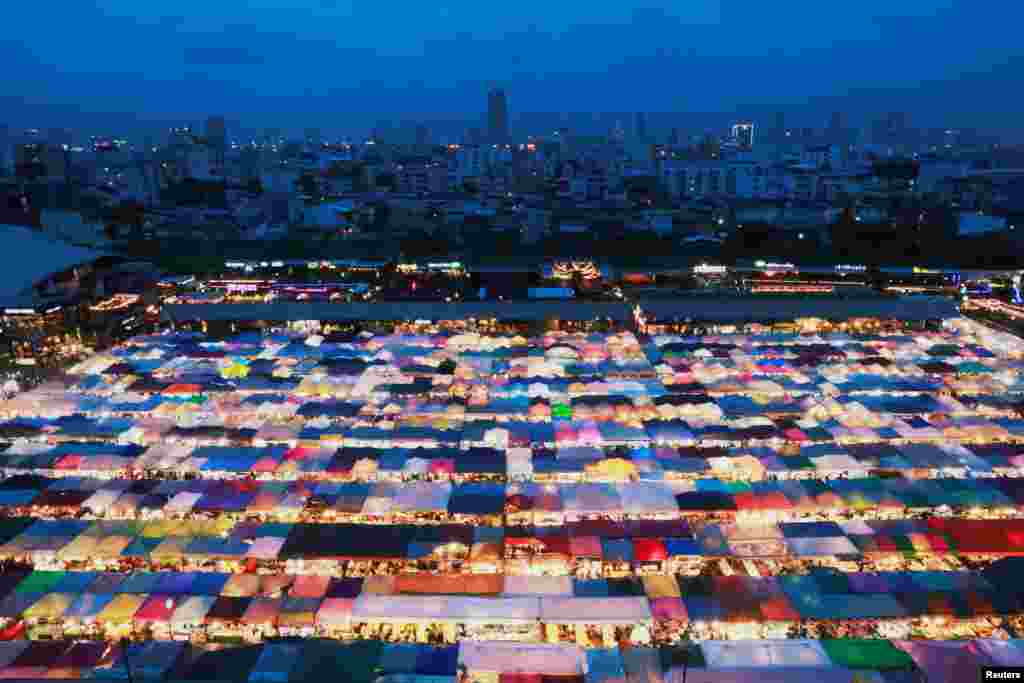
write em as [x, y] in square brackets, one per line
[442, 466]
[265, 548]
[265, 464]
[69, 462]
[156, 609]
[335, 612]
[309, 586]
[585, 546]
[262, 611]
[669, 608]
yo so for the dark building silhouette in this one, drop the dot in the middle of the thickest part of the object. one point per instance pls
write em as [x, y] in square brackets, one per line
[497, 117]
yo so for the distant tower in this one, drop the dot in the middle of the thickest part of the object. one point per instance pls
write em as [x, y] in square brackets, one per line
[778, 133]
[895, 127]
[422, 136]
[618, 133]
[674, 137]
[497, 117]
[217, 141]
[6, 150]
[743, 135]
[640, 126]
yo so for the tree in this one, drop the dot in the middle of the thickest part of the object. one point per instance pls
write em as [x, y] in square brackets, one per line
[447, 367]
[254, 186]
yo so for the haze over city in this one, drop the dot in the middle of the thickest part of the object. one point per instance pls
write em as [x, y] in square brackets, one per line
[347, 67]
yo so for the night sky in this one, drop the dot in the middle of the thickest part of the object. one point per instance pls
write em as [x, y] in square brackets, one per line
[339, 63]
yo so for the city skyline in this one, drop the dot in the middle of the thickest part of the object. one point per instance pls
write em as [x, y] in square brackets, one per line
[290, 67]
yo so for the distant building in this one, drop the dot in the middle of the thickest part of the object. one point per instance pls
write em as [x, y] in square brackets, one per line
[497, 117]
[743, 135]
[422, 136]
[6, 151]
[217, 141]
[640, 126]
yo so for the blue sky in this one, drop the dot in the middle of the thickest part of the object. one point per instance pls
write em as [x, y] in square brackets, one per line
[342, 62]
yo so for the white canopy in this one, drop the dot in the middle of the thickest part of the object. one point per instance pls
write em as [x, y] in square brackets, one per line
[435, 608]
[555, 610]
[566, 660]
[822, 547]
[771, 654]
[647, 498]
[537, 585]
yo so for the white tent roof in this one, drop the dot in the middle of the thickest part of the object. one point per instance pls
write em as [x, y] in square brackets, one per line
[648, 497]
[822, 547]
[424, 496]
[537, 585]
[594, 610]
[772, 654]
[522, 657]
[403, 609]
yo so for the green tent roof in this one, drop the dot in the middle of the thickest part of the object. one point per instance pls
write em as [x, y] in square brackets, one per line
[853, 653]
[40, 582]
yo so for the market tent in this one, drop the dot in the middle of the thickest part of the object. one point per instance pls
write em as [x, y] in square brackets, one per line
[87, 605]
[770, 654]
[499, 657]
[877, 655]
[537, 585]
[433, 609]
[427, 584]
[575, 610]
[999, 652]
[121, 608]
[192, 609]
[335, 612]
[275, 663]
[943, 661]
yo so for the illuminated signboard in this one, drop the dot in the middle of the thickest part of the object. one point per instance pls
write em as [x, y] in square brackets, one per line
[851, 269]
[705, 269]
[925, 271]
[769, 265]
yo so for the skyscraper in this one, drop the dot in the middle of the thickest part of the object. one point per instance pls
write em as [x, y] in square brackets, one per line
[217, 140]
[778, 133]
[743, 135]
[835, 123]
[422, 136]
[497, 117]
[640, 126]
[6, 156]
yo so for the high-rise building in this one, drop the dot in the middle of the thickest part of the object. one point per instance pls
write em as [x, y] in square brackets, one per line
[422, 136]
[217, 141]
[835, 122]
[618, 133]
[890, 130]
[6, 150]
[497, 117]
[674, 137]
[778, 132]
[743, 135]
[640, 126]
